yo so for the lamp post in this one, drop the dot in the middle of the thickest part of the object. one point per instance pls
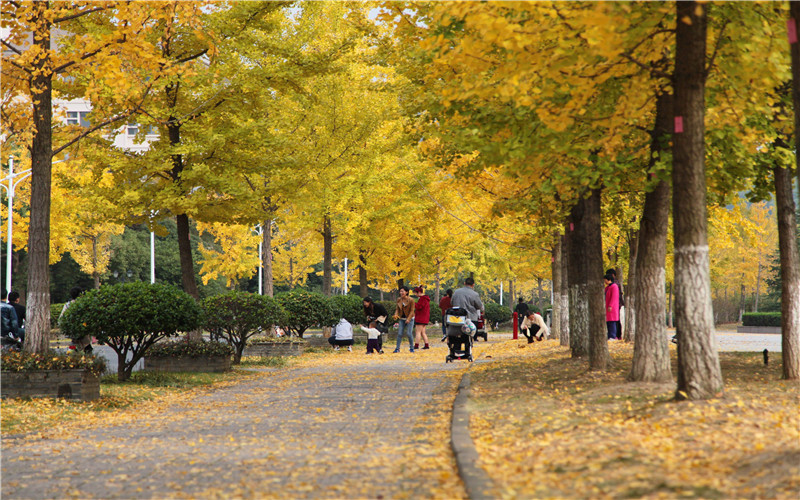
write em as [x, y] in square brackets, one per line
[260, 232]
[12, 184]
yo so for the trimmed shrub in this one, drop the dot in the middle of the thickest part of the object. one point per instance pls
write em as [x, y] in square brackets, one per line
[237, 316]
[130, 317]
[12, 361]
[349, 307]
[390, 306]
[304, 310]
[762, 319]
[185, 348]
[495, 313]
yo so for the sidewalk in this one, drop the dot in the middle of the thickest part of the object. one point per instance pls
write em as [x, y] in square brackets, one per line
[359, 428]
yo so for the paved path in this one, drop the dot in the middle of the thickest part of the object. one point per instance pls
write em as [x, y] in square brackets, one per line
[355, 430]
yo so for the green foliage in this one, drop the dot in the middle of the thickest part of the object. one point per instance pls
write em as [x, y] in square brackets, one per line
[189, 348]
[238, 316]
[55, 312]
[29, 362]
[349, 307]
[762, 319]
[436, 313]
[390, 306]
[304, 310]
[495, 313]
[131, 317]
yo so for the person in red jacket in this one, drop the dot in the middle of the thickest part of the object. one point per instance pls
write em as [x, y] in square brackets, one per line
[444, 305]
[422, 316]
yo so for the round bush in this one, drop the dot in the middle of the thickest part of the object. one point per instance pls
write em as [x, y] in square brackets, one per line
[304, 310]
[238, 316]
[130, 317]
[130, 309]
[349, 307]
[495, 313]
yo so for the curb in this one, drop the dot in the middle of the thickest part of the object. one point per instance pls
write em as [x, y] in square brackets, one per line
[477, 483]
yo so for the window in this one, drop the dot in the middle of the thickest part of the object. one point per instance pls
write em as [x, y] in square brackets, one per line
[132, 128]
[78, 118]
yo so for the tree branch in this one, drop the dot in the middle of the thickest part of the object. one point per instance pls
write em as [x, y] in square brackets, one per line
[79, 14]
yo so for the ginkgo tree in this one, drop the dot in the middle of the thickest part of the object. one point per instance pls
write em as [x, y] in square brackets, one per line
[39, 63]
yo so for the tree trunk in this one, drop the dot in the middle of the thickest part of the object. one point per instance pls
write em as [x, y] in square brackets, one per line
[438, 279]
[629, 335]
[787, 236]
[742, 296]
[512, 292]
[758, 283]
[564, 336]
[578, 293]
[699, 375]
[327, 252]
[266, 256]
[670, 323]
[95, 273]
[182, 220]
[185, 251]
[651, 361]
[362, 274]
[790, 274]
[598, 345]
[556, 272]
[37, 331]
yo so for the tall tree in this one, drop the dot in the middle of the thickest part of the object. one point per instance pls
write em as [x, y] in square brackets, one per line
[99, 37]
[790, 262]
[699, 374]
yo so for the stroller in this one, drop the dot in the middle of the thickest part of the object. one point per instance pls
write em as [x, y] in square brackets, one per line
[481, 328]
[459, 334]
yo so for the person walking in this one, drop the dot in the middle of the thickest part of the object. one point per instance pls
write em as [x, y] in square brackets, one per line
[404, 314]
[422, 316]
[612, 306]
[467, 298]
[522, 312]
[444, 305]
[372, 337]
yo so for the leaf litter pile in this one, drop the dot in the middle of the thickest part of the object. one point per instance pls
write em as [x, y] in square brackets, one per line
[545, 427]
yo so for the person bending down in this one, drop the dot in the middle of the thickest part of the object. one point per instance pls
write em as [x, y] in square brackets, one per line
[342, 335]
[534, 326]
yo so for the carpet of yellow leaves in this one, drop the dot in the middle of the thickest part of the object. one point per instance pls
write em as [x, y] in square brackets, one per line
[545, 427]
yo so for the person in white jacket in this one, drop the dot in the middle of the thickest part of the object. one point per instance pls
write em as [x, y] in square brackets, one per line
[534, 326]
[372, 337]
[342, 335]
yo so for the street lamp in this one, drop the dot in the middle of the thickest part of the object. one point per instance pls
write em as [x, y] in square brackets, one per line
[12, 184]
[260, 231]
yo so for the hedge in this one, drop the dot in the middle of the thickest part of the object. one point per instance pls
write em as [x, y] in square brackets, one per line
[762, 319]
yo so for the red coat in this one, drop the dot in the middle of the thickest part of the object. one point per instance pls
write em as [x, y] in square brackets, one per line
[612, 302]
[444, 304]
[422, 310]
